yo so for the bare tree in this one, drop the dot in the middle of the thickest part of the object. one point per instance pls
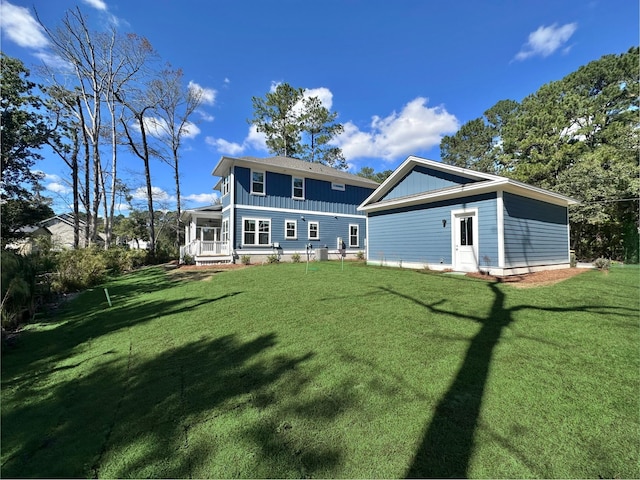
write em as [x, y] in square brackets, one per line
[175, 104]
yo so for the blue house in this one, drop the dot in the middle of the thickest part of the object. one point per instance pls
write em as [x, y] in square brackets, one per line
[280, 206]
[428, 214]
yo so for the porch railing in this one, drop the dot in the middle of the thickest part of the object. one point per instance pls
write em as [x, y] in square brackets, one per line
[204, 247]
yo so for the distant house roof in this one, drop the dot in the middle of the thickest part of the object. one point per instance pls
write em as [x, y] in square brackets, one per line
[63, 217]
[289, 165]
[483, 183]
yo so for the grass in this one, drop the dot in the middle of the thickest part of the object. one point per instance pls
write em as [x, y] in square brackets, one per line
[368, 372]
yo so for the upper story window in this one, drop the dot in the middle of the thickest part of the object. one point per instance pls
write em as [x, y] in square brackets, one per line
[297, 188]
[338, 186]
[225, 185]
[257, 182]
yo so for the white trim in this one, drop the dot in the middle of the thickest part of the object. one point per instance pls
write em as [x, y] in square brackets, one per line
[293, 188]
[500, 221]
[315, 239]
[300, 211]
[264, 182]
[485, 183]
[465, 212]
[232, 213]
[295, 227]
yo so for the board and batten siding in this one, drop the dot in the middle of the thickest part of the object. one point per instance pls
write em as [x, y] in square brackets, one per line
[318, 194]
[535, 232]
[422, 179]
[416, 235]
[330, 226]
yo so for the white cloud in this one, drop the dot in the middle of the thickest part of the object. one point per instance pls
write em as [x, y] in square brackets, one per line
[157, 193]
[58, 188]
[224, 146]
[158, 127]
[206, 198]
[323, 93]
[546, 40]
[208, 95]
[417, 127]
[254, 140]
[19, 26]
[204, 116]
[97, 4]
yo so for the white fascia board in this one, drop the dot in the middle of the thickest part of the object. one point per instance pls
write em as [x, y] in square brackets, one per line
[411, 161]
[537, 193]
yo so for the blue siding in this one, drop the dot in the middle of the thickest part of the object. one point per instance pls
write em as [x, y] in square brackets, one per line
[422, 179]
[226, 200]
[319, 196]
[330, 227]
[416, 234]
[535, 232]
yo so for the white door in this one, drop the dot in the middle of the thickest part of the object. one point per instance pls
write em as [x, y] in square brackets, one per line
[465, 242]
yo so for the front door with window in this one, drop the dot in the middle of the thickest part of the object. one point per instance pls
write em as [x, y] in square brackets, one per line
[465, 242]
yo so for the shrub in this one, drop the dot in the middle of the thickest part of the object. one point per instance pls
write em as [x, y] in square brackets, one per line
[295, 258]
[245, 259]
[18, 277]
[602, 263]
[273, 258]
[79, 269]
[360, 255]
[188, 259]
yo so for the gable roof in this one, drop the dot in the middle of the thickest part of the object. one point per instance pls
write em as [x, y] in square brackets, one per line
[66, 218]
[482, 183]
[293, 166]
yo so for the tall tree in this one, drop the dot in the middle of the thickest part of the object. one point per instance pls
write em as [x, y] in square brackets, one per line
[25, 130]
[319, 127]
[371, 174]
[175, 105]
[298, 127]
[276, 117]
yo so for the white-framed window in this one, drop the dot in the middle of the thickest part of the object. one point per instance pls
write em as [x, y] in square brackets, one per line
[290, 229]
[314, 231]
[257, 182]
[297, 188]
[353, 235]
[338, 186]
[256, 231]
[225, 185]
[224, 233]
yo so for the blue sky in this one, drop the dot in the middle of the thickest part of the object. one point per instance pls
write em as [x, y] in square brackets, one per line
[400, 74]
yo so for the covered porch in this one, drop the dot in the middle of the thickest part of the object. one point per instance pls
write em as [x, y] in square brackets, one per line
[205, 243]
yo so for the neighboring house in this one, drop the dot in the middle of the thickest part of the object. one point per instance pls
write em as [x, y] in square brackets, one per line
[61, 228]
[278, 206]
[29, 242]
[428, 214]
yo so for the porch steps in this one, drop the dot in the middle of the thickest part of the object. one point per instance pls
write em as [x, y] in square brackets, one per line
[212, 260]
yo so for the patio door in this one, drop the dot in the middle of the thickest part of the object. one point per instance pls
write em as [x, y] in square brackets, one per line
[465, 241]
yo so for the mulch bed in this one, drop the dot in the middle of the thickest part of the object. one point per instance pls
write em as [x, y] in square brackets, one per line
[536, 279]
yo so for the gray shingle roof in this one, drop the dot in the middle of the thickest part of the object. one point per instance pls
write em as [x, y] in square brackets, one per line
[309, 168]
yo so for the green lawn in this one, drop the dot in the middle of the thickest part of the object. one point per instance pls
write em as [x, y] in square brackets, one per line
[363, 372]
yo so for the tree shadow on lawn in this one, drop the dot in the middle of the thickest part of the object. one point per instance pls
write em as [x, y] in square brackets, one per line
[47, 347]
[134, 418]
[448, 442]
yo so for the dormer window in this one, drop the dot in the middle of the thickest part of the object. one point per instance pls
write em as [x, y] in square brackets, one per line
[257, 183]
[297, 187]
[225, 185]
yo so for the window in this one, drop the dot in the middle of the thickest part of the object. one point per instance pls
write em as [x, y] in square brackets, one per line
[298, 188]
[225, 230]
[257, 183]
[337, 186]
[256, 232]
[466, 231]
[225, 185]
[314, 231]
[290, 229]
[353, 236]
